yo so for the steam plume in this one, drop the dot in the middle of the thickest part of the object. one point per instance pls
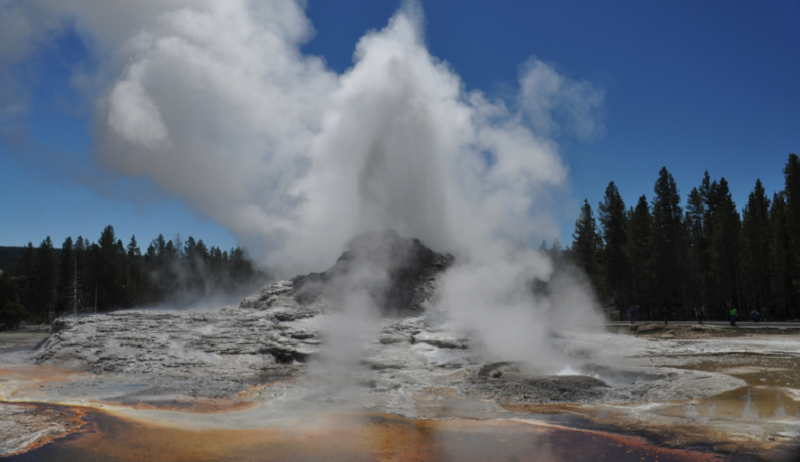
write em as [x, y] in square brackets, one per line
[214, 101]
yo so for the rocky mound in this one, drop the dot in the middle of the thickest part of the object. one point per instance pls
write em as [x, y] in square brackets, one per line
[216, 353]
[398, 273]
[517, 382]
[671, 331]
[193, 353]
[145, 356]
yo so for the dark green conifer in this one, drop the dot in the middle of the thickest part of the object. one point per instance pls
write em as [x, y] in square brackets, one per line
[724, 250]
[137, 280]
[66, 268]
[46, 281]
[755, 245]
[640, 254]
[12, 313]
[614, 261]
[585, 242]
[26, 276]
[697, 252]
[669, 264]
[791, 174]
[781, 260]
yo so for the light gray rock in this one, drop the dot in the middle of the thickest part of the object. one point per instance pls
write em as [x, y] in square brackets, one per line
[278, 335]
[440, 340]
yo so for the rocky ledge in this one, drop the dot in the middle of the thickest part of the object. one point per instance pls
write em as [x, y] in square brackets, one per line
[146, 355]
[268, 336]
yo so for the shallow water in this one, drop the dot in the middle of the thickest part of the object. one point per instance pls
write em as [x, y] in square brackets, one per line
[756, 370]
[245, 427]
[749, 403]
[359, 437]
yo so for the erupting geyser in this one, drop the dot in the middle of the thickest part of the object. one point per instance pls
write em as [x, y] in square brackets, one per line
[438, 307]
[214, 102]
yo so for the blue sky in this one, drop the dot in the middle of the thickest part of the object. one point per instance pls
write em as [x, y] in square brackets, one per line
[689, 85]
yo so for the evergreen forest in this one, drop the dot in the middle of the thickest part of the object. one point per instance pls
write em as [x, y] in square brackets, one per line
[662, 256]
[85, 277]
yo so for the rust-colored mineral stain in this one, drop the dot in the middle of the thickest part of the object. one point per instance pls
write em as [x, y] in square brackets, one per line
[71, 420]
[25, 382]
[35, 373]
[187, 404]
[360, 437]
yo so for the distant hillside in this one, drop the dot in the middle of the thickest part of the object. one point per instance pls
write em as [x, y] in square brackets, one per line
[10, 255]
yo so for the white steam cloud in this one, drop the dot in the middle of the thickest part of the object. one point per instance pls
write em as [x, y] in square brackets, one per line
[214, 101]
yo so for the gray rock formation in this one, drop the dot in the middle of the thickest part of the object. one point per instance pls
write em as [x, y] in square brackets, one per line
[214, 353]
[519, 382]
[410, 267]
[158, 354]
[184, 352]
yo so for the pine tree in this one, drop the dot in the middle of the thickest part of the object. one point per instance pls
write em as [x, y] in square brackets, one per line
[724, 250]
[122, 284]
[781, 260]
[168, 275]
[9, 292]
[670, 285]
[109, 276]
[200, 266]
[151, 269]
[160, 246]
[90, 276]
[96, 277]
[614, 261]
[697, 253]
[755, 245]
[705, 276]
[585, 243]
[46, 281]
[215, 267]
[137, 280]
[26, 272]
[791, 174]
[84, 279]
[194, 267]
[241, 268]
[66, 266]
[201, 252]
[640, 254]
[556, 254]
[12, 312]
[75, 296]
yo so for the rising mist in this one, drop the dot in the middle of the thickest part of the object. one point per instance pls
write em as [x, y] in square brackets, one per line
[214, 101]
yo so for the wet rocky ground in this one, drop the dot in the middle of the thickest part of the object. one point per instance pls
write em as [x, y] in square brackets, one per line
[672, 331]
[25, 427]
[282, 355]
[737, 394]
[11, 341]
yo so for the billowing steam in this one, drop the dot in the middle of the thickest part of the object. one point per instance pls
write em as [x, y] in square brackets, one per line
[214, 101]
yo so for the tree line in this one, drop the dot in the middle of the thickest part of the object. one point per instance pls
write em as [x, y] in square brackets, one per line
[660, 255]
[87, 276]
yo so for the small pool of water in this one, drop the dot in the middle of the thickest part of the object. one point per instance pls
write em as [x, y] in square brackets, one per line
[749, 403]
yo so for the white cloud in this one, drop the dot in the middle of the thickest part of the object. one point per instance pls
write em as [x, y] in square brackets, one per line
[135, 117]
[555, 103]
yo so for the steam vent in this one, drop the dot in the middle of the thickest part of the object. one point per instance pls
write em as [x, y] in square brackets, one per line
[363, 361]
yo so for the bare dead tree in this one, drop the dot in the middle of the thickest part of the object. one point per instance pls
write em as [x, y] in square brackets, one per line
[75, 295]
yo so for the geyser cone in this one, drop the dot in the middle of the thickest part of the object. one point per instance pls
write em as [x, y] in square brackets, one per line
[396, 273]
